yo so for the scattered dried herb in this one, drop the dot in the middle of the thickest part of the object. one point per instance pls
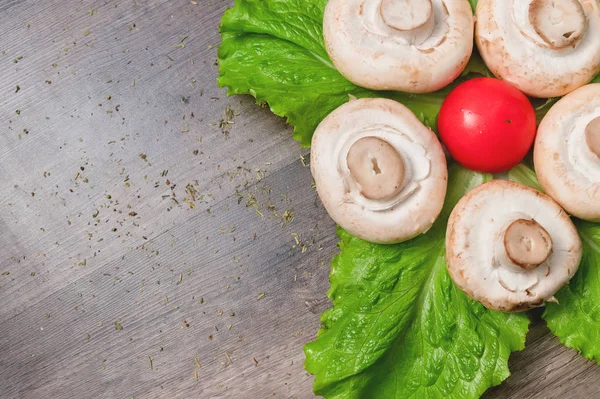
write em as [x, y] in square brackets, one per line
[226, 122]
[181, 44]
[287, 217]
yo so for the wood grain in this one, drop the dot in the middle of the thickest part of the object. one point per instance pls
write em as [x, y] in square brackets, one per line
[148, 221]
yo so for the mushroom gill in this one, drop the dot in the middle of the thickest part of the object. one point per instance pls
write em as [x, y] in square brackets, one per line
[567, 152]
[544, 48]
[415, 46]
[380, 173]
[510, 247]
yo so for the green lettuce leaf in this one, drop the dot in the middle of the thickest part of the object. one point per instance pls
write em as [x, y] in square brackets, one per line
[274, 51]
[525, 175]
[542, 106]
[575, 320]
[399, 326]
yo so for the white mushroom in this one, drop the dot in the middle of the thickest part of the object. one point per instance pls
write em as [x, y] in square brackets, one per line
[567, 152]
[510, 246]
[416, 46]
[380, 173]
[545, 48]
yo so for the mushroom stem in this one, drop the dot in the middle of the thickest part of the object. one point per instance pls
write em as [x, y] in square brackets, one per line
[592, 136]
[560, 23]
[527, 243]
[377, 167]
[413, 17]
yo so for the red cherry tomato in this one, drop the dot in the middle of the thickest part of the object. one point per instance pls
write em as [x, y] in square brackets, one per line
[487, 125]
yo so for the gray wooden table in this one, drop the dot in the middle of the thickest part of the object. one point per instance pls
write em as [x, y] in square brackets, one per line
[158, 239]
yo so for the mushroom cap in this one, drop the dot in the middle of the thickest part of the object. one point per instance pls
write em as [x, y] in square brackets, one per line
[416, 46]
[566, 153]
[477, 252]
[380, 173]
[546, 49]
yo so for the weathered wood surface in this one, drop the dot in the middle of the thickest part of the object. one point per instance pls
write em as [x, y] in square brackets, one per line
[143, 219]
